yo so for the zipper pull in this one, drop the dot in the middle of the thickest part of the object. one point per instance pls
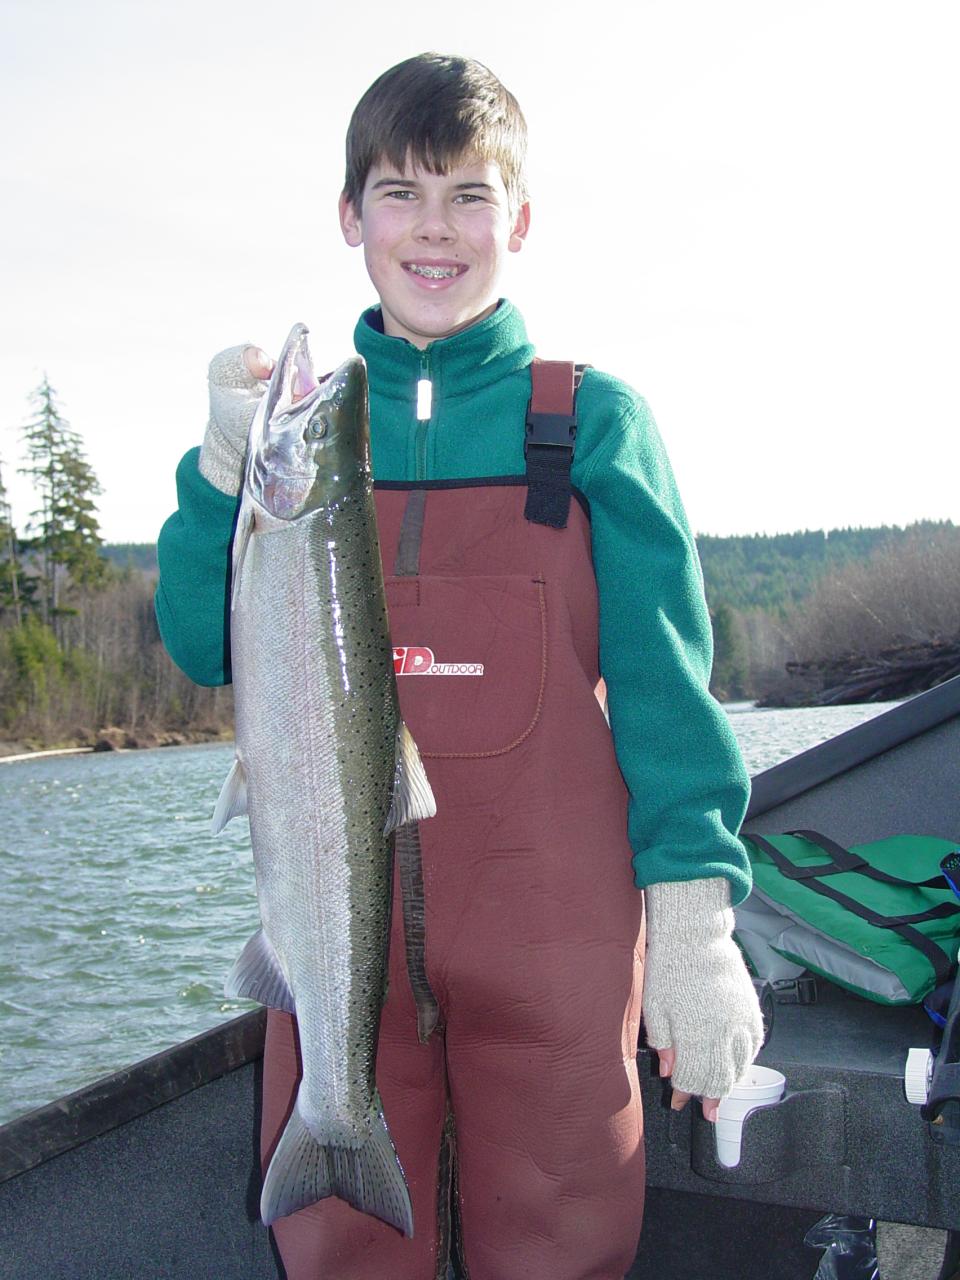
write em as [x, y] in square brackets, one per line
[424, 392]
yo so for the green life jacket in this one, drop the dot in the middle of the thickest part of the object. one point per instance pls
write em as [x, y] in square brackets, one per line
[879, 919]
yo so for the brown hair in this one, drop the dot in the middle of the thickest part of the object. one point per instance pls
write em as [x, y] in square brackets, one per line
[438, 111]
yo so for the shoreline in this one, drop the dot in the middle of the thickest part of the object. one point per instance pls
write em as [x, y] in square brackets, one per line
[9, 758]
[111, 738]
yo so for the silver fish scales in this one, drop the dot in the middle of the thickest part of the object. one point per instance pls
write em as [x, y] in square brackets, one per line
[326, 771]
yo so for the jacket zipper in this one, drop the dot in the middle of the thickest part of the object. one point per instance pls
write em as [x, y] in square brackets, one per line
[424, 412]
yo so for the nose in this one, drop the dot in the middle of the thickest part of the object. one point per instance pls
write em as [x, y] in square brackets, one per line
[435, 223]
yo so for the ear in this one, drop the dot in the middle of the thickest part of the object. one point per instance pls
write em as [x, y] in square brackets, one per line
[350, 222]
[520, 228]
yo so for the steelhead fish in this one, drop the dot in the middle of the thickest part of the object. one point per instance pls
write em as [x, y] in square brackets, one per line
[326, 770]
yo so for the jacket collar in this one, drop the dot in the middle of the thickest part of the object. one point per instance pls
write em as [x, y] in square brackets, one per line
[460, 365]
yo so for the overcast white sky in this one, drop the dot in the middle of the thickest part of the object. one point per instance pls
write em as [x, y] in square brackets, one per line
[747, 209]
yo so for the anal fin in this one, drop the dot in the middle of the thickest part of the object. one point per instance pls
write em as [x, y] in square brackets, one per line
[258, 975]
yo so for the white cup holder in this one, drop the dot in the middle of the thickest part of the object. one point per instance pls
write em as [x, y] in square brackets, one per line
[758, 1087]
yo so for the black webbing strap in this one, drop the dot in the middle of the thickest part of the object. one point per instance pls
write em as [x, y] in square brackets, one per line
[551, 432]
[843, 860]
[407, 563]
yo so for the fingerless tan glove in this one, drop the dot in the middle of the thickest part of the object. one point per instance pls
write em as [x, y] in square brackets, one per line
[698, 997]
[234, 396]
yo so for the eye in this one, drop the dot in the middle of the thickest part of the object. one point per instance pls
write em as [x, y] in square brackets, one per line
[318, 426]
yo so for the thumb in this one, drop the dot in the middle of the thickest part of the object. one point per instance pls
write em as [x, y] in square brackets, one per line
[258, 362]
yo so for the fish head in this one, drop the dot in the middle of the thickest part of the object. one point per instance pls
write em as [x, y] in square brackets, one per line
[311, 451]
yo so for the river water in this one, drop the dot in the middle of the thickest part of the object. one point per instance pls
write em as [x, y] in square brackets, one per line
[120, 913]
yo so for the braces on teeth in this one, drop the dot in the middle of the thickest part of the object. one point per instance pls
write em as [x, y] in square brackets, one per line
[435, 273]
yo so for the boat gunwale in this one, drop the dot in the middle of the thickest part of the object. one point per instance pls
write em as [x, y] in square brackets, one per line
[94, 1110]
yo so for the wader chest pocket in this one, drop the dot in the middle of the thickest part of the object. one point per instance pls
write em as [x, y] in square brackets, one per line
[470, 655]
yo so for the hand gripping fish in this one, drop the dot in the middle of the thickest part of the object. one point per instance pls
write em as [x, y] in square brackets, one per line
[326, 770]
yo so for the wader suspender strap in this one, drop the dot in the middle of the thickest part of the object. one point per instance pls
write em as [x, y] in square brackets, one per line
[843, 860]
[407, 563]
[550, 436]
[406, 839]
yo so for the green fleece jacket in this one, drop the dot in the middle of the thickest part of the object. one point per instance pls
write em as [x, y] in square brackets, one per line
[687, 783]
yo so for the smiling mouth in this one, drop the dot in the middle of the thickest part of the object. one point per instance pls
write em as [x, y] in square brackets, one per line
[433, 272]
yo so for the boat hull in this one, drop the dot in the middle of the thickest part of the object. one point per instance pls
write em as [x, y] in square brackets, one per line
[155, 1171]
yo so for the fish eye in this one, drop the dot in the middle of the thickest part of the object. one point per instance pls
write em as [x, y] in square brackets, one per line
[318, 426]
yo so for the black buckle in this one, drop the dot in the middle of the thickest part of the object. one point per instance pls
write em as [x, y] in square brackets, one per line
[554, 429]
[795, 990]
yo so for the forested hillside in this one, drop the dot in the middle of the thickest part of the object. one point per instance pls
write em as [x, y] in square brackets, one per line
[803, 599]
[796, 615]
[80, 656]
[132, 555]
[775, 571]
[765, 571]
[81, 659]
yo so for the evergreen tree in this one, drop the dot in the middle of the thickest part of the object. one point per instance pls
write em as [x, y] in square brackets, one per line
[12, 591]
[67, 533]
[76, 514]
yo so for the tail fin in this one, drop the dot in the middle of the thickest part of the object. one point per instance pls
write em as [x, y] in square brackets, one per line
[304, 1171]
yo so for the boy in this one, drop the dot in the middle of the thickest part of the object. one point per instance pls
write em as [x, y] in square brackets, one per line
[522, 1116]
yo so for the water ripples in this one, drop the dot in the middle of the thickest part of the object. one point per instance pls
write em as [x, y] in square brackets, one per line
[121, 914]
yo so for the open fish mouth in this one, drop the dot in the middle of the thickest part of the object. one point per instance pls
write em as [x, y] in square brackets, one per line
[286, 408]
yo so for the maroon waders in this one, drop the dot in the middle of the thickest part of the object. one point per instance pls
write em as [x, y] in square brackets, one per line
[533, 924]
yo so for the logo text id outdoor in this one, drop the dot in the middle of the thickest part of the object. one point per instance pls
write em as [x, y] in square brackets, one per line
[413, 660]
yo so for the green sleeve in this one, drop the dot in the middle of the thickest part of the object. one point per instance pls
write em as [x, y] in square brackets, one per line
[192, 601]
[678, 755]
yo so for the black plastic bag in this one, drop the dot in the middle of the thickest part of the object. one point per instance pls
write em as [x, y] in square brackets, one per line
[851, 1248]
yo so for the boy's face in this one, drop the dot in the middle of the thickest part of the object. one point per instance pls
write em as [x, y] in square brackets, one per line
[434, 245]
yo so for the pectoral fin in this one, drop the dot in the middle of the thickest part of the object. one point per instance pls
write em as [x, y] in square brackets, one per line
[412, 796]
